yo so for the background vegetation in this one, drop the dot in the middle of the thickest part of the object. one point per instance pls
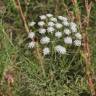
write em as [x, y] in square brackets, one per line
[20, 71]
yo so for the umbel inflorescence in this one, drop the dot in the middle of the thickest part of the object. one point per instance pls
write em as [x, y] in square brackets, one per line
[54, 34]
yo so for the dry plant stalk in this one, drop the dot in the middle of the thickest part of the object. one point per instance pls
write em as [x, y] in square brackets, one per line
[56, 6]
[86, 51]
[88, 10]
[87, 59]
[86, 47]
[18, 6]
[40, 59]
[37, 49]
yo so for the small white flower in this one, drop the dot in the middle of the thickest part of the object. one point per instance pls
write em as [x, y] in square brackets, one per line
[42, 30]
[77, 43]
[74, 29]
[67, 31]
[31, 45]
[41, 23]
[31, 35]
[78, 36]
[60, 17]
[43, 17]
[51, 24]
[58, 34]
[68, 40]
[65, 19]
[31, 24]
[50, 29]
[46, 51]
[58, 25]
[53, 19]
[65, 23]
[72, 24]
[60, 49]
[49, 15]
[45, 40]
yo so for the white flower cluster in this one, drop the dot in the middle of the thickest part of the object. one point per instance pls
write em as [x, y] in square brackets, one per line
[45, 40]
[60, 49]
[53, 30]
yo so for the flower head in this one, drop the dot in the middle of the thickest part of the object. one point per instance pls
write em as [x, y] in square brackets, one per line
[41, 23]
[42, 30]
[53, 19]
[65, 19]
[31, 24]
[60, 17]
[45, 40]
[57, 28]
[58, 34]
[74, 29]
[49, 15]
[58, 25]
[67, 31]
[73, 24]
[78, 36]
[77, 42]
[31, 35]
[51, 24]
[50, 29]
[65, 23]
[68, 40]
[46, 51]
[31, 44]
[43, 17]
[60, 49]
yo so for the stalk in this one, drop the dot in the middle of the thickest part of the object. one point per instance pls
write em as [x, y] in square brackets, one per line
[18, 6]
[40, 59]
[86, 46]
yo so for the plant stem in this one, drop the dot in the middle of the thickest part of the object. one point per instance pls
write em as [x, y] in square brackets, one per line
[86, 47]
[18, 6]
[40, 58]
[87, 60]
